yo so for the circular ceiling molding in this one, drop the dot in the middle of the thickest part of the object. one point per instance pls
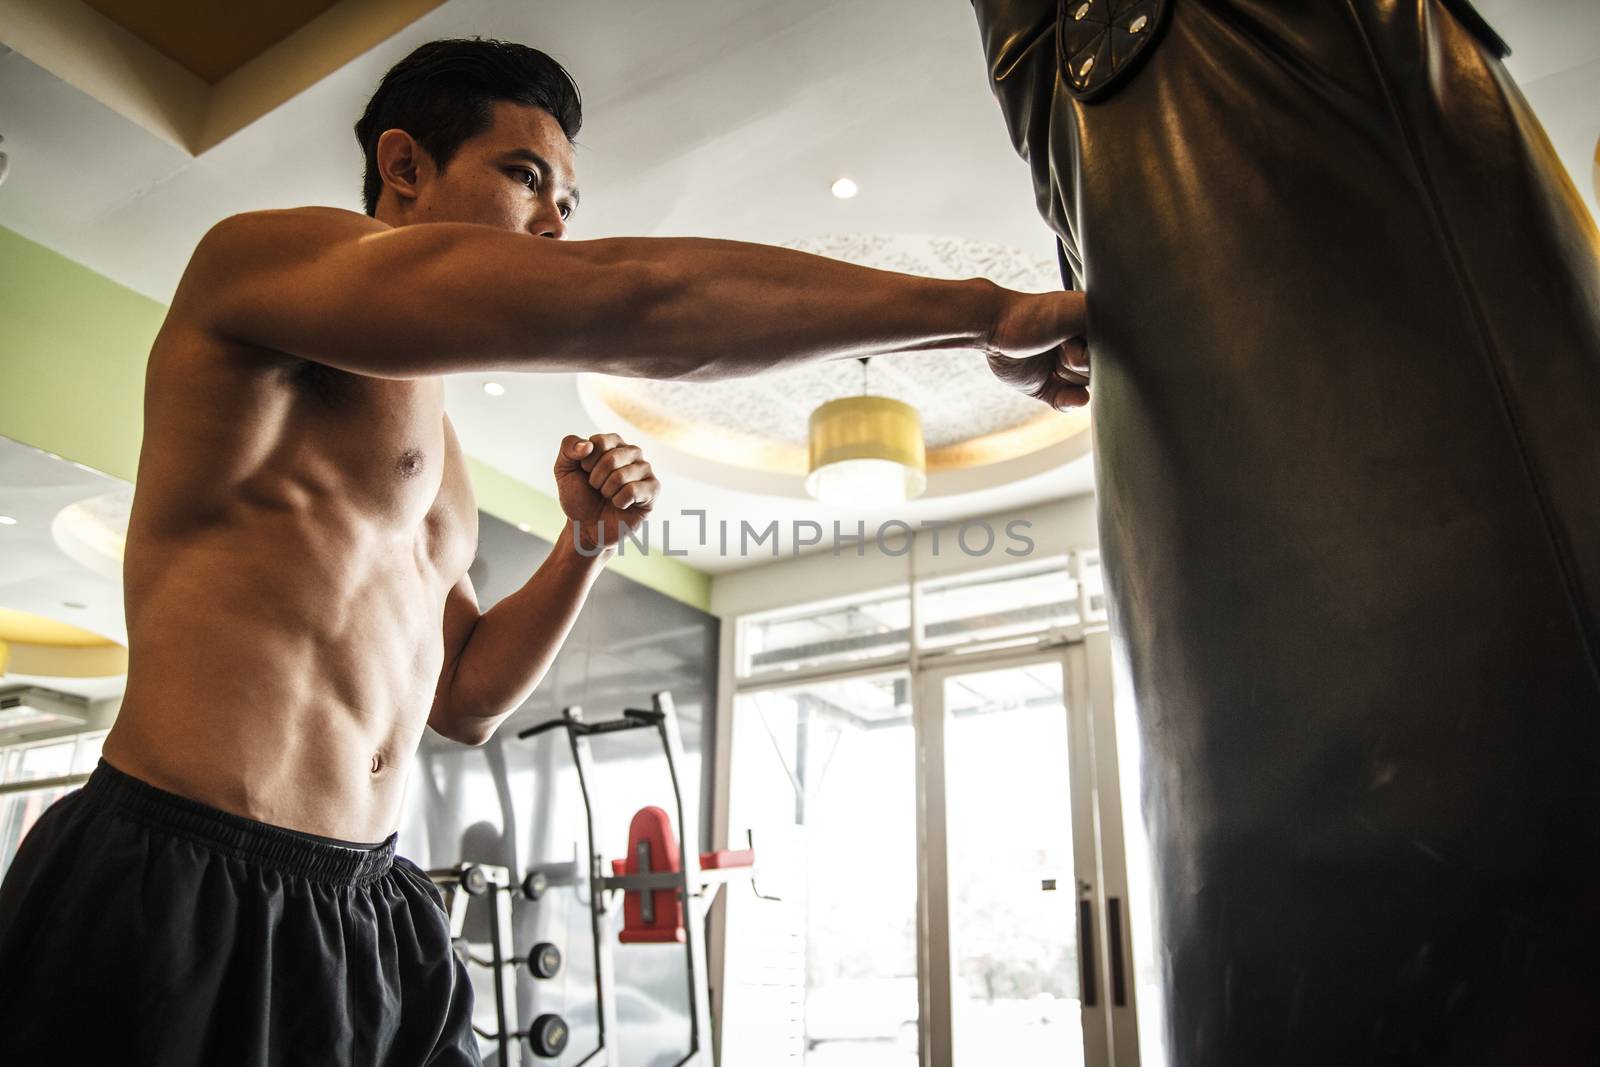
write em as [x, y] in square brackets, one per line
[750, 434]
[94, 531]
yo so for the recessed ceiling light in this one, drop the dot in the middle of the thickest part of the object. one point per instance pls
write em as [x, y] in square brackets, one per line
[7, 520]
[524, 527]
[494, 388]
[844, 189]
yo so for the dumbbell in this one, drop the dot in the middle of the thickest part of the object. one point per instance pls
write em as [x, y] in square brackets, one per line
[474, 882]
[548, 1035]
[544, 960]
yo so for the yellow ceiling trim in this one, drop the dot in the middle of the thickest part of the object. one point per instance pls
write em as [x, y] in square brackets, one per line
[1037, 434]
[56, 661]
[708, 442]
[744, 450]
[27, 628]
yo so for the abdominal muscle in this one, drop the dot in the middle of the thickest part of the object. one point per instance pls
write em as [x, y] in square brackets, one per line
[271, 687]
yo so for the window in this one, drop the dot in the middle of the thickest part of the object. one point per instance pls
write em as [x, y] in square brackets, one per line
[34, 761]
[825, 634]
[995, 605]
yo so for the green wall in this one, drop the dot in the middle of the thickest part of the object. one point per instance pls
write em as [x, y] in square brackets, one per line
[72, 352]
[73, 346]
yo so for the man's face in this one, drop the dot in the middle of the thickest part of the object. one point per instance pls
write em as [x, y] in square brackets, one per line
[516, 175]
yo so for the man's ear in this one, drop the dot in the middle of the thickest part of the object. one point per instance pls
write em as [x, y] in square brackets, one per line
[400, 159]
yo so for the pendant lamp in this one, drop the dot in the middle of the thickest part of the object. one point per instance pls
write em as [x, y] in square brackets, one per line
[866, 451]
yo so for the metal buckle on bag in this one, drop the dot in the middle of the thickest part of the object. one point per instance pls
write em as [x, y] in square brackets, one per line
[1100, 42]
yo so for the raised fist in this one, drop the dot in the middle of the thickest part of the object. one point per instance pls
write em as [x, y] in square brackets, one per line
[605, 486]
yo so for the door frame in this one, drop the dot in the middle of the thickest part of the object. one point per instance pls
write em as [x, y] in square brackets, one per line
[1083, 691]
[1099, 854]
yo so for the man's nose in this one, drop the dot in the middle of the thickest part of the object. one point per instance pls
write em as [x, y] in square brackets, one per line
[549, 224]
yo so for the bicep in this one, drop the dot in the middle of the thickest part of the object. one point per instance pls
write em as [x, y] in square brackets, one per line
[314, 284]
[342, 289]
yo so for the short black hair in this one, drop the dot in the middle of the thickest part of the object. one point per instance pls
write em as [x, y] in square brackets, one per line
[443, 93]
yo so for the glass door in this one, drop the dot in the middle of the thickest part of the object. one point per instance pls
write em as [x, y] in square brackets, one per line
[1017, 974]
[942, 875]
[826, 960]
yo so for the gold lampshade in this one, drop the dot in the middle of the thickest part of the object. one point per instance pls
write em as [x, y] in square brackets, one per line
[866, 450]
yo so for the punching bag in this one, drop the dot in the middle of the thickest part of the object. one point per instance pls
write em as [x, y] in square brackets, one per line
[1344, 316]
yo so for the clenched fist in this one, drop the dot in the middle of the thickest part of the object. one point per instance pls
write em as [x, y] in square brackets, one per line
[605, 486]
[1038, 346]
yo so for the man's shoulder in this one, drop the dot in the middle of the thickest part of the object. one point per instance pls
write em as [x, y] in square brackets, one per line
[254, 233]
[311, 215]
[245, 261]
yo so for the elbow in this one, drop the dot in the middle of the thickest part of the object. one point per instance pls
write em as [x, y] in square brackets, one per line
[466, 731]
[477, 735]
[465, 724]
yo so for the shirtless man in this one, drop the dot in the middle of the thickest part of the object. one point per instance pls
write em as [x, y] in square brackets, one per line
[296, 570]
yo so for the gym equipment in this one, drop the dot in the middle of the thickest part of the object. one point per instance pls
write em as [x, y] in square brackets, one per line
[544, 960]
[650, 915]
[655, 916]
[667, 884]
[473, 881]
[459, 884]
[548, 1035]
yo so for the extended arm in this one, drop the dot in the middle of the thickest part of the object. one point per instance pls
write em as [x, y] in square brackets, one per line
[348, 291]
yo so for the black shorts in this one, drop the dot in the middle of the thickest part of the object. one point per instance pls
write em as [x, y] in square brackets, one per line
[139, 927]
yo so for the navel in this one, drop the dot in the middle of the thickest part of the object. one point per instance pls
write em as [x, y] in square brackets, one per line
[377, 763]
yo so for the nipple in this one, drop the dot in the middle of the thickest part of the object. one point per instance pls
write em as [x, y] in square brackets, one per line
[410, 462]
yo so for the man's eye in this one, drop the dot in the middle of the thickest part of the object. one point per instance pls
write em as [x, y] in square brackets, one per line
[527, 177]
[566, 212]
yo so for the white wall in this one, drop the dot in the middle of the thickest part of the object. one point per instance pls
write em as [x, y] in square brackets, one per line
[1055, 528]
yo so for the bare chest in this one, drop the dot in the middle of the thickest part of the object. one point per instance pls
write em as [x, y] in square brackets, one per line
[396, 458]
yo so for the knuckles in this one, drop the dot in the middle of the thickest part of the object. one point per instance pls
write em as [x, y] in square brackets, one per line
[617, 470]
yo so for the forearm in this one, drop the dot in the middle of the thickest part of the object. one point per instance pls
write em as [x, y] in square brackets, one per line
[720, 309]
[513, 644]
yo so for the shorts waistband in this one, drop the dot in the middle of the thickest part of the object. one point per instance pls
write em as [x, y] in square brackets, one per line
[315, 859]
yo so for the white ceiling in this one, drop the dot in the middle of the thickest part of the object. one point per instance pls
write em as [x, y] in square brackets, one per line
[724, 118]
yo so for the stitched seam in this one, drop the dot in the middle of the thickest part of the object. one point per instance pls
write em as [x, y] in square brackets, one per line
[1488, 351]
